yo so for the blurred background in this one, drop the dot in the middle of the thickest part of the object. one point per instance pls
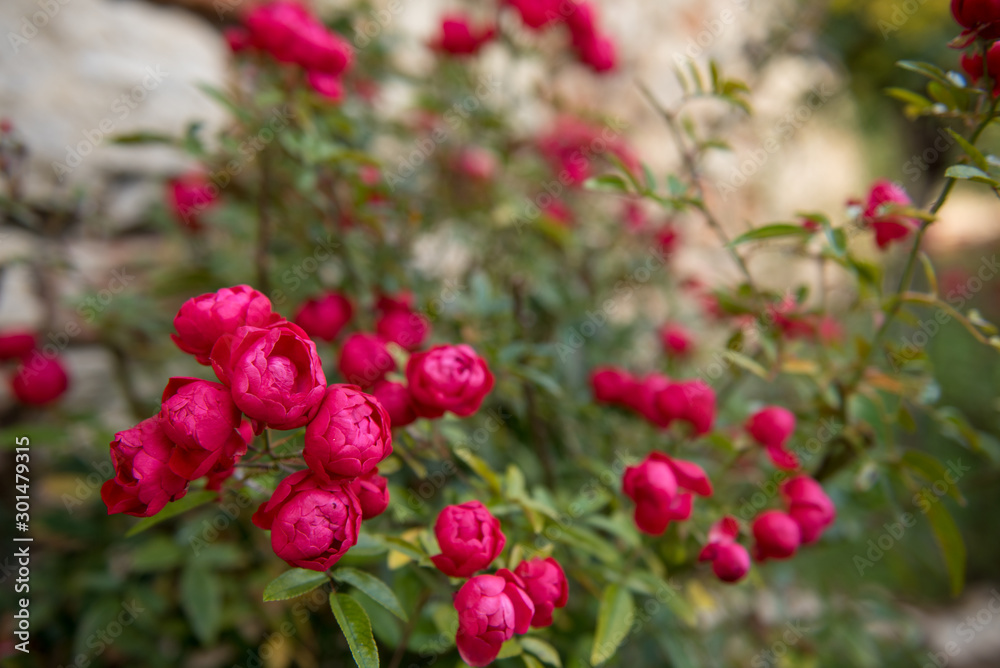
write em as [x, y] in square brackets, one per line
[94, 69]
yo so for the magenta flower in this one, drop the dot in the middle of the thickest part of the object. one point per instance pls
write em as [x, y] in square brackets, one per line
[143, 482]
[809, 506]
[323, 317]
[491, 609]
[448, 378]
[772, 427]
[653, 487]
[459, 38]
[730, 560]
[203, 422]
[395, 399]
[348, 435]
[203, 319]
[469, 537]
[776, 534]
[364, 360]
[372, 491]
[546, 585]
[39, 379]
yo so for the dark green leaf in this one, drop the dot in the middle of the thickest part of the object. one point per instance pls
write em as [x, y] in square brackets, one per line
[357, 628]
[771, 232]
[949, 540]
[293, 583]
[192, 500]
[377, 590]
[613, 622]
[201, 599]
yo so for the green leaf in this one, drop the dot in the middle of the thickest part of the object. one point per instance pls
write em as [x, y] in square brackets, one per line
[931, 470]
[238, 110]
[771, 232]
[748, 363]
[357, 628]
[142, 138]
[510, 648]
[607, 182]
[970, 173]
[377, 590]
[543, 650]
[929, 272]
[192, 500]
[482, 469]
[916, 103]
[293, 583]
[530, 661]
[613, 622]
[201, 600]
[949, 540]
[977, 157]
[926, 69]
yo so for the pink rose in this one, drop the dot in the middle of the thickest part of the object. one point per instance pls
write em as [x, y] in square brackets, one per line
[313, 522]
[143, 482]
[491, 609]
[546, 585]
[275, 374]
[189, 196]
[39, 379]
[537, 14]
[276, 28]
[652, 486]
[323, 317]
[237, 38]
[203, 319]
[317, 49]
[598, 52]
[448, 378]
[776, 534]
[459, 38]
[809, 506]
[395, 399]
[364, 360]
[772, 427]
[348, 435]
[327, 85]
[15, 344]
[204, 424]
[477, 163]
[372, 491]
[611, 385]
[730, 560]
[407, 329]
[690, 401]
[642, 398]
[878, 213]
[469, 537]
[676, 340]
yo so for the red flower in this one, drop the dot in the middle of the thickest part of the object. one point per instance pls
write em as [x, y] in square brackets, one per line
[15, 344]
[323, 317]
[571, 147]
[691, 401]
[203, 319]
[667, 239]
[275, 374]
[313, 522]
[730, 560]
[39, 379]
[408, 329]
[537, 14]
[888, 226]
[809, 506]
[190, 195]
[611, 385]
[776, 534]
[448, 378]
[652, 486]
[458, 38]
[327, 85]
[978, 15]
[143, 482]
[546, 585]
[772, 427]
[676, 340]
[396, 401]
[203, 422]
[364, 360]
[238, 39]
[491, 609]
[469, 537]
[372, 491]
[349, 434]
[477, 163]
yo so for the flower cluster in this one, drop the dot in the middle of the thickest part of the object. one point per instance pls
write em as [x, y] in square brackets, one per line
[657, 398]
[492, 608]
[291, 34]
[459, 37]
[39, 377]
[778, 534]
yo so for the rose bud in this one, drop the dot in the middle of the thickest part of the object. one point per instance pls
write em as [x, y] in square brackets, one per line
[189, 196]
[491, 609]
[372, 491]
[401, 301]
[276, 375]
[328, 85]
[537, 14]
[349, 434]
[558, 212]
[676, 340]
[237, 38]
[15, 344]
[730, 560]
[642, 398]
[882, 199]
[546, 585]
[611, 384]
[143, 482]
[203, 319]
[598, 52]
[809, 506]
[318, 50]
[469, 537]
[652, 486]
[448, 378]
[477, 163]
[667, 240]
[323, 317]
[772, 427]
[458, 38]
[364, 360]
[407, 329]
[204, 424]
[276, 27]
[690, 401]
[396, 401]
[980, 15]
[313, 522]
[776, 534]
[39, 380]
